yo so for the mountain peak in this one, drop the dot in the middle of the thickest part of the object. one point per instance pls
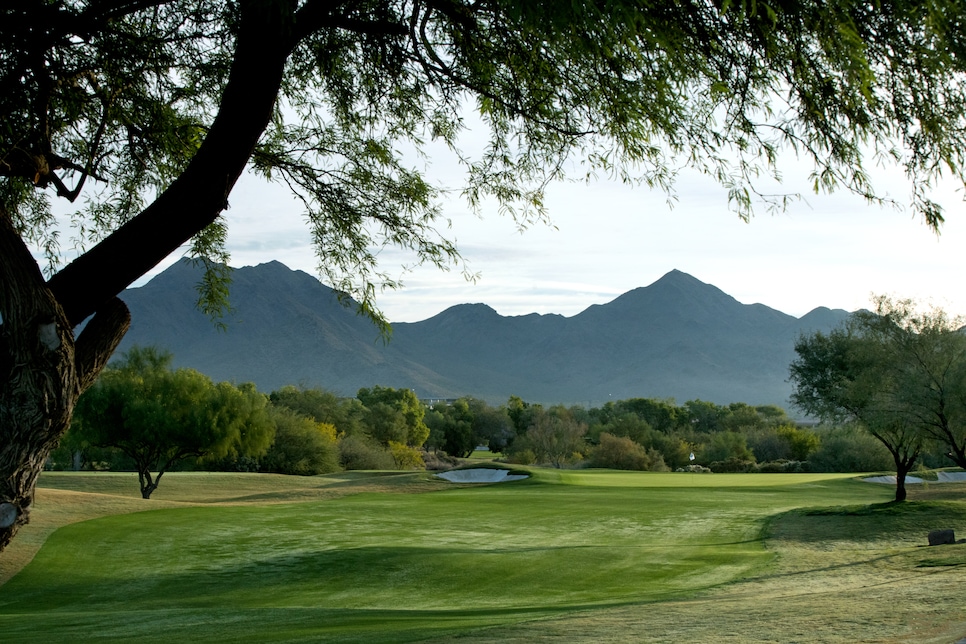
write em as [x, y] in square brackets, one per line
[678, 338]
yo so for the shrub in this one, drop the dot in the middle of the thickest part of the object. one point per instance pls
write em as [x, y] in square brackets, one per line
[522, 457]
[850, 449]
[726, 446]
[732, 464]
[359, 452]
[619, 453]
[406, 457]
[302, 446]
[699, 469]
[438, 461]
[782, 467]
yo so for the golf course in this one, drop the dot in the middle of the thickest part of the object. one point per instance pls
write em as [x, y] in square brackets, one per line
[563, 556]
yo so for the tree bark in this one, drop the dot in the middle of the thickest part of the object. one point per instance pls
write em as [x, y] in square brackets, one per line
[148, 484]
[904, 464]
[39, 376]
[900, 487]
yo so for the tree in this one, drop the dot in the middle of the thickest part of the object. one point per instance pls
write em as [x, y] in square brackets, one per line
[323, 406]
[863, 371]
[164, 103]
[555, 437]
[159, 417]
[394, 415]
[454, 426]
[406, 457]
[724, 446]
[930, 348]
[662, 415]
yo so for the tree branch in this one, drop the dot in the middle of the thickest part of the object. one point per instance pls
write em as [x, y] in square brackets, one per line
[316, 15]
[199, 195]
[99, 339]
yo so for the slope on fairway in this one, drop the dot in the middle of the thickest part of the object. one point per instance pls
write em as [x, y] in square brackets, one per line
[402, 567]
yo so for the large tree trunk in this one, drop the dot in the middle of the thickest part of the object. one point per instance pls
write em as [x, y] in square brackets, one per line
[200, 193]
[42, 372]
[42, 369]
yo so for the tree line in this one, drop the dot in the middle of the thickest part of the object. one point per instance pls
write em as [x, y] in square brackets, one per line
[144, 415]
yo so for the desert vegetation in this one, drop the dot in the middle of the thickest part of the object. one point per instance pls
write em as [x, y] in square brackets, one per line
[146, 417]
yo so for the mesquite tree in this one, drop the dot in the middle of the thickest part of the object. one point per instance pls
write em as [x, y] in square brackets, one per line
[146, 112]
[899, 372]
[158, 416]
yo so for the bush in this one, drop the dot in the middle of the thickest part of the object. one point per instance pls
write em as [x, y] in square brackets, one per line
[406, 457]
[694, 469]
[439, 461]
[522, 457]
[725, 447]
[850, 449]
[302, 446]
[623, 453]
[782, 467]
[361, 453]
[732, 464]
[620, 453]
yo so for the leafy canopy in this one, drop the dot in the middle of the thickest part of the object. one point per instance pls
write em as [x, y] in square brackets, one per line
[158, 416]
[117, 105]
[899, 371]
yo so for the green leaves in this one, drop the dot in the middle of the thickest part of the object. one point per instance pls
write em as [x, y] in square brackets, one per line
[158, 417]
[124, 97]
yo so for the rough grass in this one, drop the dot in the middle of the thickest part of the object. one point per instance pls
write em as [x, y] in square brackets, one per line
[569, 556]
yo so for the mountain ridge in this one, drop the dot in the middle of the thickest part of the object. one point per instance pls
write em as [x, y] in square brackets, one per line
[677, 338]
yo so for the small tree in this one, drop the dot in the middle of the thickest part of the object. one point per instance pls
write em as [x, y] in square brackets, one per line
[555, 438]
[406, 457]
[359, 452]
[620, 453]
[395, 415]
[861, 372]
[159, 417]
[323, 406]
[725, 446]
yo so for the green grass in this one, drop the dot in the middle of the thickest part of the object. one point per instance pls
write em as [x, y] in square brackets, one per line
[566, 555]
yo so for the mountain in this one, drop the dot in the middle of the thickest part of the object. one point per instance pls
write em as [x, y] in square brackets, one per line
[677, 338]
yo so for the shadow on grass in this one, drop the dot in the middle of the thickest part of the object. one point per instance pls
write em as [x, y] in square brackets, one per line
[393, 580]
[872, 523]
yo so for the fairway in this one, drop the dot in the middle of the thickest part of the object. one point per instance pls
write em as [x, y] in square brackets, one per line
[406, 557]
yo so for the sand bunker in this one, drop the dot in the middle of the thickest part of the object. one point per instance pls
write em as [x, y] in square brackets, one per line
[891, 480]
[943, 477]
[480, 475]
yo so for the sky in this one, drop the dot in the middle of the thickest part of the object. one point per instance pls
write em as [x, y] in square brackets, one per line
[608, 238]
